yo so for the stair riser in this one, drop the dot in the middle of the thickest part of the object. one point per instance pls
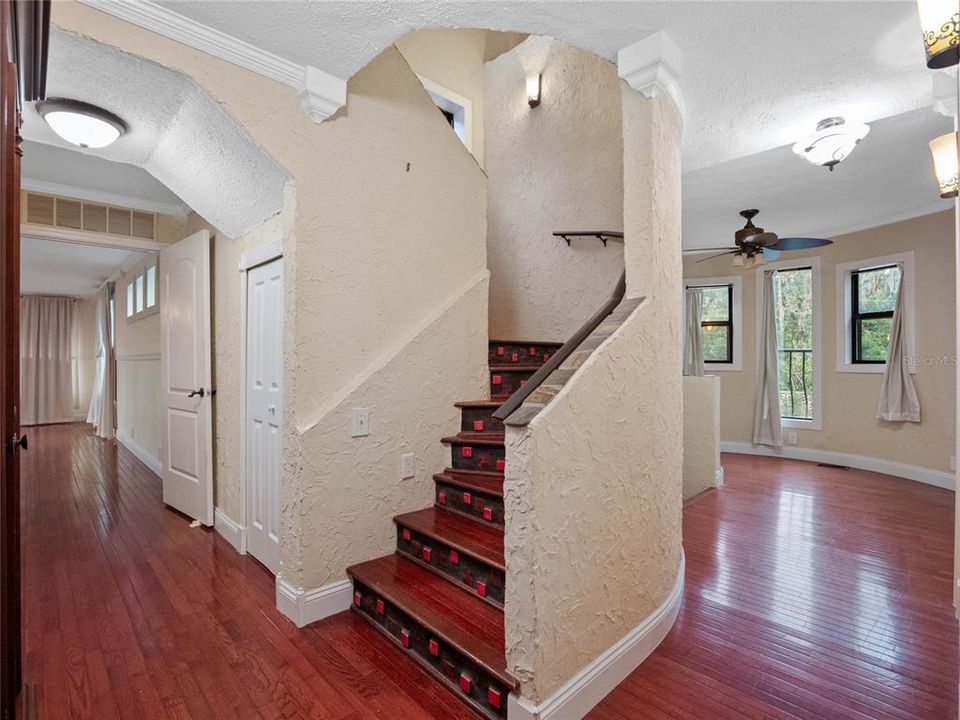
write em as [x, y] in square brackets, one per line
[449, 665]
[465, 456]
[468, 572]
[479, 420]
[507, 382]
[485, 508]
[520, 354]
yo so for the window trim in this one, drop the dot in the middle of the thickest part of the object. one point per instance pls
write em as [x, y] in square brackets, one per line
[845, 273]
[736, 287]
[460, 107]
[816, 305]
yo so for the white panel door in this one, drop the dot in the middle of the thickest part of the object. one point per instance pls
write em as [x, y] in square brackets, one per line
[264, 413]
[186, 429]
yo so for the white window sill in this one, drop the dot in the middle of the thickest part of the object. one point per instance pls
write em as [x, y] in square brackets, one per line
[722, 367]
[801, 424]
[867, 368]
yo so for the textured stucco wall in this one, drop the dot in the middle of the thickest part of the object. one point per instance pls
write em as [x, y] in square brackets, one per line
[850, 400]
[593, 540]
[701, 434]
[389, 224]
[558, 166]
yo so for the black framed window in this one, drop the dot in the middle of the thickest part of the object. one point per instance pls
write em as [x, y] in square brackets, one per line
[795, 337]
[873, 296]
[716, 325]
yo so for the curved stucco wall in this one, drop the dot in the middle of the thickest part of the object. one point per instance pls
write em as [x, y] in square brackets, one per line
[701, 434]
[558, 166]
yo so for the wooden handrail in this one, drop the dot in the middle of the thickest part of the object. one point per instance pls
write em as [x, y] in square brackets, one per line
[516, 400]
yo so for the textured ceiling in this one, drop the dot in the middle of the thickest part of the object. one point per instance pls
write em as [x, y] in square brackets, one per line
[890, 175]
[756, 75]
[177, 133]
[48, 267]
[53, 164]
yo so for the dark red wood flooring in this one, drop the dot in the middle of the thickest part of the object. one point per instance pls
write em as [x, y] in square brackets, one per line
[811, 593]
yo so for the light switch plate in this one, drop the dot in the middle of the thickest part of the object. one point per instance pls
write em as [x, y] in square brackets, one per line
[361, 422]
[408, 466]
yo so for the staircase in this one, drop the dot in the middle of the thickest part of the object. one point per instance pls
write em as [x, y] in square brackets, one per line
[440, 596]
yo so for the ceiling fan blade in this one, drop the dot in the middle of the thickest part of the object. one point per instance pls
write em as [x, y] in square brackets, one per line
[709, 249]
[799, 243]
[771, 254]
[714, 257]
[764, 239]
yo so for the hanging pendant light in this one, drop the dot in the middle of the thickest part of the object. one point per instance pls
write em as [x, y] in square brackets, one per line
[940, 21]
[944, 149]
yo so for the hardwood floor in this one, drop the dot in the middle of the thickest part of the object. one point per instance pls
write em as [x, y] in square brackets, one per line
[811, 593]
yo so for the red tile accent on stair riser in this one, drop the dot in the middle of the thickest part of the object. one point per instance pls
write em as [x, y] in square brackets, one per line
[515, 357]
[454, 557]
[496, 380]
[405, 534]
[501, 465]
[466, 684]
[481, 588]
[442, 498]
[478, 425]
[493, 698]
[381, 608]
[532, 352]
[501, 350]
[488, 514]
[357, 599]
[467, 498]
[426, 554]
[466, 451]
[433, 647]
[405, 638]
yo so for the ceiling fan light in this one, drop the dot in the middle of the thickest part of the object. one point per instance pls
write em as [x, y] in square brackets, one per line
[832, 143]
[759, 258]
[940, 22]
[80, 123]
[945, 162]
[738, 260]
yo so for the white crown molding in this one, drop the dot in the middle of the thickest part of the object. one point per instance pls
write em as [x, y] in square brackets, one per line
[595, 681]
[928, 476]
[307, 606]
[177, 210]
[652, 66]
[322, 94]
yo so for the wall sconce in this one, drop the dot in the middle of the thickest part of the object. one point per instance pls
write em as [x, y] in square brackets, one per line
[944, 149]
[940, 21]
[533, 89]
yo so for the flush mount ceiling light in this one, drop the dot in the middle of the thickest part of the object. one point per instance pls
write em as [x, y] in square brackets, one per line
[832, 143]
[940, 21]
[80, 123]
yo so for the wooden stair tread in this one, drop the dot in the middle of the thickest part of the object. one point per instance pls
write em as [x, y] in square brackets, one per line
[465, 438]
[473, 626]
[478, 481]
[484, 542]
[470, 404]
[530, 343]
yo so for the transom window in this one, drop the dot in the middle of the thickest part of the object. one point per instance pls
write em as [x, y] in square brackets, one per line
[873, 296]
[141, 293]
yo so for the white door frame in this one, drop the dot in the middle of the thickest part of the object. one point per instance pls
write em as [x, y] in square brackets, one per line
[248, 261]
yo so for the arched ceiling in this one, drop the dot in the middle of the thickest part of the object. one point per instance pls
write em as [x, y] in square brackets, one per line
[756, 75]
[175, 132]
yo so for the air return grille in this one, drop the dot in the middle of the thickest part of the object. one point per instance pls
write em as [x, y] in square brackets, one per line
[92, 217]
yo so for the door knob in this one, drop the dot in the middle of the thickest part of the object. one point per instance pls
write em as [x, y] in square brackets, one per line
[272, 409]
[16, 442]
[199, 392]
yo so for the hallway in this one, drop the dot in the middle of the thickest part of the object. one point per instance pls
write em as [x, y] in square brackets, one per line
[811, 593]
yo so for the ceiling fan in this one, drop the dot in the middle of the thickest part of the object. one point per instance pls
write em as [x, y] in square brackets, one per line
[754, 246]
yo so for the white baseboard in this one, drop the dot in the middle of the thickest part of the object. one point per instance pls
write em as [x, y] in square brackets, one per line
[594, 682]
[928, 476]
[307, 606]
[718, 477]
[142, 455]
[232, 531]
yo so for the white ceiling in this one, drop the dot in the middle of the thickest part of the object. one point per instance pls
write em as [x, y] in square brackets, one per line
[48, 267]
[177, 133]
[756, 75]
[50, 166]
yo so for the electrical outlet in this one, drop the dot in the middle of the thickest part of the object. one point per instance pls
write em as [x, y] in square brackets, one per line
[408, 466]
[790, 438]
[361, 422]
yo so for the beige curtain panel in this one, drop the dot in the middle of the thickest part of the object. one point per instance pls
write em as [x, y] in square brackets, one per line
[898, 396]
[767, 429]
[46, 355]
[100, 414]
[693, 345]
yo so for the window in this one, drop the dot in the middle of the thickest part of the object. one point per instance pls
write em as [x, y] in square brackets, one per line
[139, 292]
[457, 110]
[873, 296]
[794, 293]
[151, 288]
[867, 293]
[142, 293]
[719, 326]
[130, 308]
